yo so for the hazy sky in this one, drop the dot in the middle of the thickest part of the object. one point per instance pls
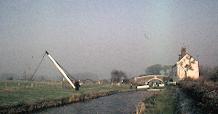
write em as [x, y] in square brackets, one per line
[101, 35]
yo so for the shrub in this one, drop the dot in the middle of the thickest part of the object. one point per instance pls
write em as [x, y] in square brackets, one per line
[204, 93]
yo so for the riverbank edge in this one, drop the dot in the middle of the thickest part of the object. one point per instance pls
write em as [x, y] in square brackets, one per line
[185, 104]
[147, 106]
[40, 105]
[202, 93]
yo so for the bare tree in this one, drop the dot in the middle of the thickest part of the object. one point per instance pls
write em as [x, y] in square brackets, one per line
[117, 76]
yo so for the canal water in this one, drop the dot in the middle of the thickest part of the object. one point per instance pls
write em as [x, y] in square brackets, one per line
[121, 103]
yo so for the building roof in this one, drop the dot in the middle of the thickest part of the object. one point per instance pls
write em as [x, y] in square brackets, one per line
[189, 55]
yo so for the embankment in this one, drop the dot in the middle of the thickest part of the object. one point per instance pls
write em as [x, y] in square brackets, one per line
[36, 106]
[204, 94]
[27, 96]
[185, 105]
[162, 102]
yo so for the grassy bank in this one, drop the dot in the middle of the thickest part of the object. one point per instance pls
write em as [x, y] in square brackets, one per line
[162, 102]
[14, 93]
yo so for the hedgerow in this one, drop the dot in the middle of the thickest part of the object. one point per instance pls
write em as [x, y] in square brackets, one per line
[204, 93]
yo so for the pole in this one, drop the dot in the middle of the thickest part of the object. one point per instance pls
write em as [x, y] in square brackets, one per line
[60, 69]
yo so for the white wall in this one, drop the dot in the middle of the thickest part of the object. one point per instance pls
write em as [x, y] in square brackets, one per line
[181, 67]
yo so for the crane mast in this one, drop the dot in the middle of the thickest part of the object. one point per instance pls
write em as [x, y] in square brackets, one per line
[60, 69]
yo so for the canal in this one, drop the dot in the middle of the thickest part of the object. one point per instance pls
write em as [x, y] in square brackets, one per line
[121, 103]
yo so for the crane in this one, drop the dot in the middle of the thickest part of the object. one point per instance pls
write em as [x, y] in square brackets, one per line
[74, 85]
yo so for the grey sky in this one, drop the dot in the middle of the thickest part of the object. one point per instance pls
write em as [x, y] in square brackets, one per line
[100, 35]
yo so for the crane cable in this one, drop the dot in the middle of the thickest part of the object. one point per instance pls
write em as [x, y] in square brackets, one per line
[31, 78]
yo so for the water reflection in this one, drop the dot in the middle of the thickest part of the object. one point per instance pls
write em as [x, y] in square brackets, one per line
[122, 103]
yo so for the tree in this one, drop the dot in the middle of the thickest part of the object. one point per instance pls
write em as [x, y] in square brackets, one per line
[166, 69]
[8, 76]
[117, 76]
[154, 69]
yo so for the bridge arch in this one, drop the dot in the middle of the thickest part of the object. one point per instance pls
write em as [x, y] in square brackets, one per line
[155, 78]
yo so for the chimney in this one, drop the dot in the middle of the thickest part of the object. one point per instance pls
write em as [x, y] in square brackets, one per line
[183, 53]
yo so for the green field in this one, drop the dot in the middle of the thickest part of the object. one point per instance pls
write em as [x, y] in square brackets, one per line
[162, 102]
[19, 92]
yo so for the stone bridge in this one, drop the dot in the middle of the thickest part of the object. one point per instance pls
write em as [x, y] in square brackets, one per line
[145, 79]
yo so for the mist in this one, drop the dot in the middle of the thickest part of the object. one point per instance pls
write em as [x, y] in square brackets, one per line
[100, 36]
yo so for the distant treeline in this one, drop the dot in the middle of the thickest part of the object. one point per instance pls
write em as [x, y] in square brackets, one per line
[13, 76]
[158, 69]
[25, 76]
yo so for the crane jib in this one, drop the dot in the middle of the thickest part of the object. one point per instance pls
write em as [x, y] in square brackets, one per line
[60, 69]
